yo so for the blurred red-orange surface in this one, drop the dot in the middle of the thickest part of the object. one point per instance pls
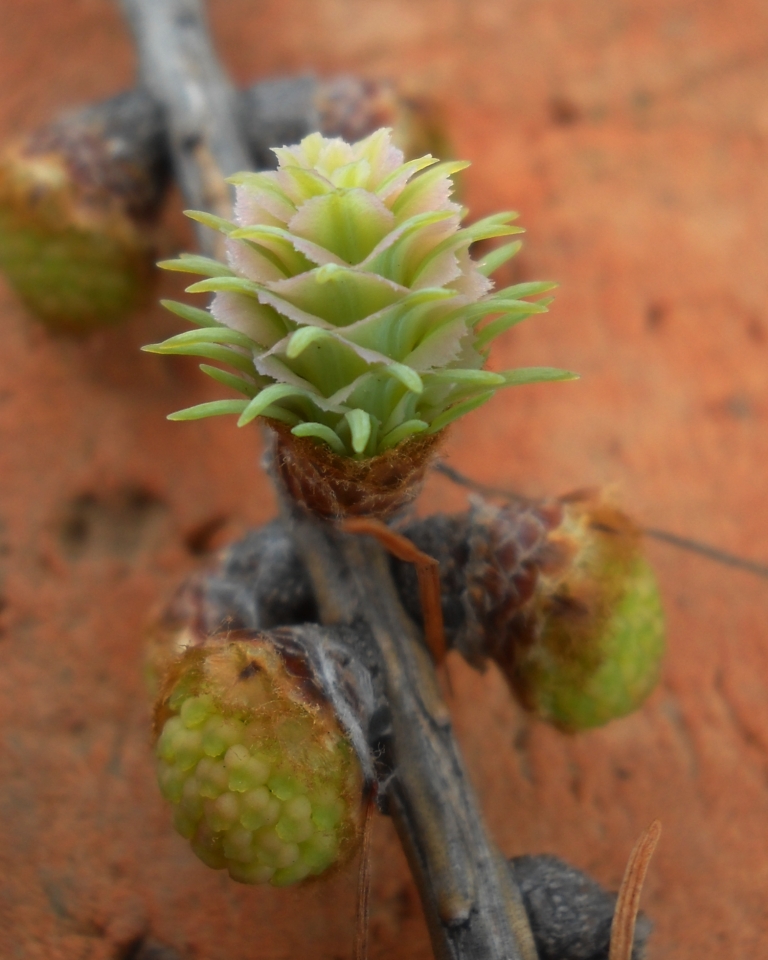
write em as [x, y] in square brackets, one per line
[633, 138]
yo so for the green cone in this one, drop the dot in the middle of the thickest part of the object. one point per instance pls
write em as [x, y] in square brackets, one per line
[596, 623]
[263, 781]
[71, 250]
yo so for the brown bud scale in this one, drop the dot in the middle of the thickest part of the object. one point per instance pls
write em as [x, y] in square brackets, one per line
[336, 487]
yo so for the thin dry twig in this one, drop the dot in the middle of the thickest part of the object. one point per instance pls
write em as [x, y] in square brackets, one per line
[364, 883]
[628, 902]
[472, 909]
[684, 543]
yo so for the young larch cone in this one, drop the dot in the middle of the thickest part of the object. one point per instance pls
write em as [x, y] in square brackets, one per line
[263, 779]
[350, 307]
[556, 592]
[561, 597]
[79, 201]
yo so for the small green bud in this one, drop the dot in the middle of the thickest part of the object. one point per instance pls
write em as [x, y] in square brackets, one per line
[264, 781]
[70, 244]
[559, 595]
[80, 200]
[595, 624]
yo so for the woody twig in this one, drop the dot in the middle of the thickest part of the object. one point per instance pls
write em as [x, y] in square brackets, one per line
[473, 907]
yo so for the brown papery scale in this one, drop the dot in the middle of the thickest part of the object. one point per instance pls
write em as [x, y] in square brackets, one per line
[336, 487]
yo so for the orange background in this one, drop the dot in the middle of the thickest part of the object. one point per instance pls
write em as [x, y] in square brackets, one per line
[633, 138]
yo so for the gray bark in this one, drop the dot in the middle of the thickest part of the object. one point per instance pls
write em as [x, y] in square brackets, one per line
[276, 112]
[471, 901]
[178, 67]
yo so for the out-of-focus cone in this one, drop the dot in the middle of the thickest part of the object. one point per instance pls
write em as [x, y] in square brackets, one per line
[264, 780]
[79, 201]
[353, 107]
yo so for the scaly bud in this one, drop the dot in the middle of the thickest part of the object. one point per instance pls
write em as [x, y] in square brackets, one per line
[560, 596]
[556, 592]
[352, 107]
[264, 779]
[79, 201]
[286, 109]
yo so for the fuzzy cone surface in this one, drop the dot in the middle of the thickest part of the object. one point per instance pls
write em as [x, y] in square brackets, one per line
[263, 781]
[350, 308]
[595, 622]
[68, 244]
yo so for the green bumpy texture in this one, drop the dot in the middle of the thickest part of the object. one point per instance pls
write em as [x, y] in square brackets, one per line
[74, 279]
[269, 802]
[349, 307]
[627, 650]
[76, 257]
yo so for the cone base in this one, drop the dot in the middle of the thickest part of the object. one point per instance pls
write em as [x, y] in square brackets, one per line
[335, 487]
